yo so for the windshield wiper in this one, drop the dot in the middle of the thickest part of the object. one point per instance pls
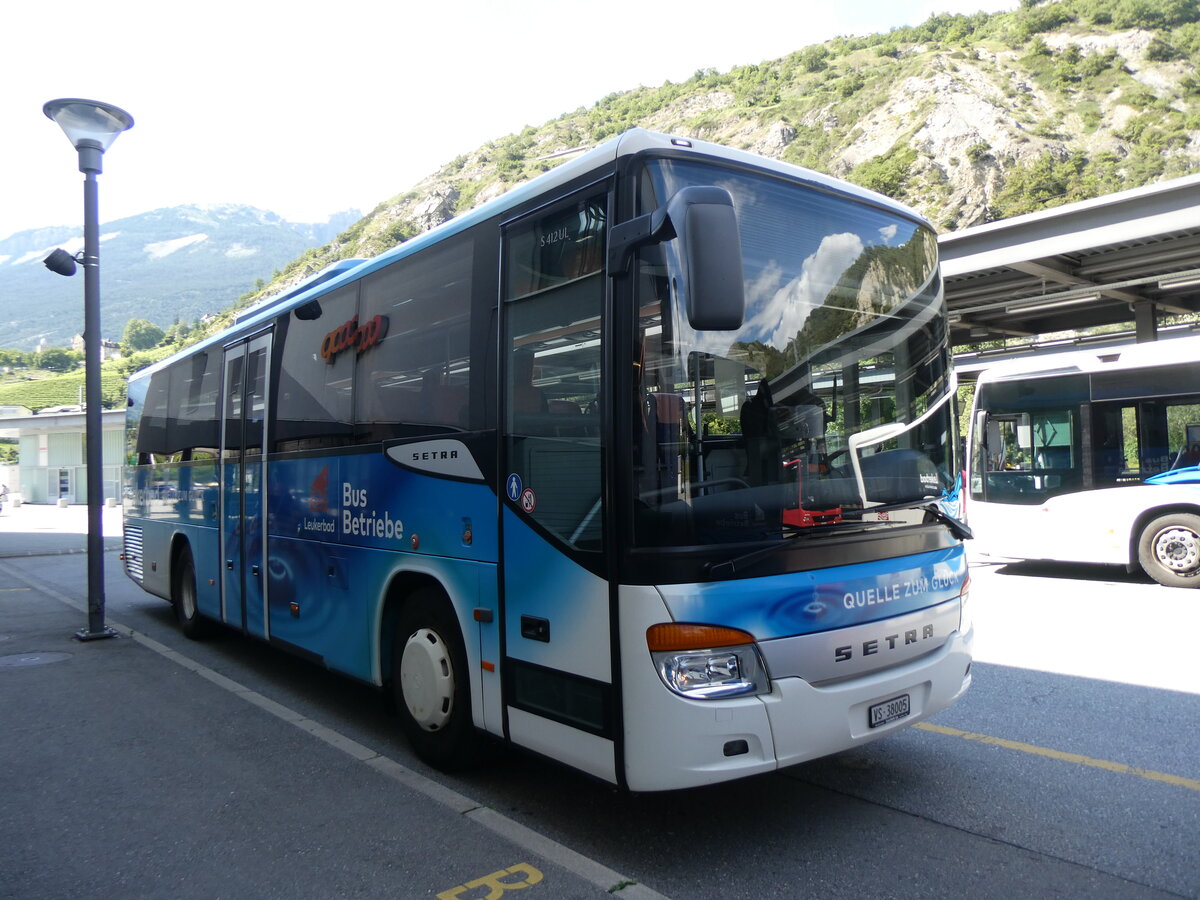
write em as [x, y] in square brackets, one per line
[957, 527]
[731, 566]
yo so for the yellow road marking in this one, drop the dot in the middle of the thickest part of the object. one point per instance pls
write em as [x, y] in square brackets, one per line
[496, 884]
[1192, 784]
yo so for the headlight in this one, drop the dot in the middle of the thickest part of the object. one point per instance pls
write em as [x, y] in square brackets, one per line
[707, 662]
[965, 620]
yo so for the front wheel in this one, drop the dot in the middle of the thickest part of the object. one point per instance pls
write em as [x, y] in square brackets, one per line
[1169, 550]
[432, 684]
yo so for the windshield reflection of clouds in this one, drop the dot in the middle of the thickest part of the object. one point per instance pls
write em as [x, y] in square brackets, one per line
[781, 316]
[866, 270]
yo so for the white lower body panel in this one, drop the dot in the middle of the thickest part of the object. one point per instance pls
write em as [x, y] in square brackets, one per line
[672, 742]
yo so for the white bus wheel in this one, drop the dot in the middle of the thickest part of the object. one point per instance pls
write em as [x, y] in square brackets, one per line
[1169, 550]
[432, 683]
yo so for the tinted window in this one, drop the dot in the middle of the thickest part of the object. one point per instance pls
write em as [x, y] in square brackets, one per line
[152, 436]
[180, 414]
[192, 420]
[415, 378]
[317, 371]
[552, 389]
[558, 248]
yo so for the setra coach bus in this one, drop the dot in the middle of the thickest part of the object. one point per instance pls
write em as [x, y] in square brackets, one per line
[642, 467]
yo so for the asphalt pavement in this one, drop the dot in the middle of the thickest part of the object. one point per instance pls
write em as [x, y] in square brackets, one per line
[128, 769]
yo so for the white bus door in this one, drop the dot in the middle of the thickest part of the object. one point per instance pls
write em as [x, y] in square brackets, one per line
[243, 485]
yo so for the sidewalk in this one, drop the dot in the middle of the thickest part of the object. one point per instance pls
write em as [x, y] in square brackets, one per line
[42, 529]
[147, 767]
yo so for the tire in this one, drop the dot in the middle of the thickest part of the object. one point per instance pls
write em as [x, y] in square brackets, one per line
[432, 685]
[183, 598]
[1169, 550]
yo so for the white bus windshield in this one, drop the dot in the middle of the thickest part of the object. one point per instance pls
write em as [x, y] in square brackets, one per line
[745, 435]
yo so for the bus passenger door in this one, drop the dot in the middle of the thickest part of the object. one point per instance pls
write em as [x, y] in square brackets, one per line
[558, 693]
[243, 484]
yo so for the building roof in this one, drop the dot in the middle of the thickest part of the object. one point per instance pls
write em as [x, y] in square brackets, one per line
[45, 423]
[1076, 266]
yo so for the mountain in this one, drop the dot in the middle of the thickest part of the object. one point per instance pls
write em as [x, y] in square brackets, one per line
[966, 118]
[168, 265]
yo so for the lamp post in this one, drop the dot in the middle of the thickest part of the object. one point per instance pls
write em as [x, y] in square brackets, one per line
[91, 127]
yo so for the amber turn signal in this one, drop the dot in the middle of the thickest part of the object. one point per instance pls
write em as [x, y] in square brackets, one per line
[682, 636]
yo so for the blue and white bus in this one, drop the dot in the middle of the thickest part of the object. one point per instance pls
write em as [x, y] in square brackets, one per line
[640, 467]
[1092, 456]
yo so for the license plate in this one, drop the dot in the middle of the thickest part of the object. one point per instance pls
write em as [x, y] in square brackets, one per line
[889, 711]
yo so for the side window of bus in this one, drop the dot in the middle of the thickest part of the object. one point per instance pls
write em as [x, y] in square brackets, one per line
[316, 373]
[152, 434]
[554, 290]
[180, 415]
[192, 424]
[414, 378]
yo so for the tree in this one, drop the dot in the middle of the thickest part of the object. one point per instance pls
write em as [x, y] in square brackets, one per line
[14, 359]
[58, 359]
[140, 335]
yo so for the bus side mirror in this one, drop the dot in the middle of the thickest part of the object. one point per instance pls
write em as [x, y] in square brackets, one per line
[711, 263]
[710, 267]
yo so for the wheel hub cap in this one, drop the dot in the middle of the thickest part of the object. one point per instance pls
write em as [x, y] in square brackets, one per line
[1178, 549]
[427, 680]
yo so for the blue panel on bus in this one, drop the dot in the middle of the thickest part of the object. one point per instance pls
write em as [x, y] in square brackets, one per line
[823, 599]
[367, 501]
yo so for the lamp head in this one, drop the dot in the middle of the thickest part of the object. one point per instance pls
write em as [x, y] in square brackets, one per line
[60, 262]
[88, 123]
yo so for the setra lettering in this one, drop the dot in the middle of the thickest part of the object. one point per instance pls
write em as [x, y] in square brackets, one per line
[432, 455]
[875, 646]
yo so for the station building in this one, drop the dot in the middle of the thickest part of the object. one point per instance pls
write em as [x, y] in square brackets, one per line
[52, 453]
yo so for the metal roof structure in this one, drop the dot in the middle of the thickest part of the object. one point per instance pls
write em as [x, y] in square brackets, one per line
[1132, 256]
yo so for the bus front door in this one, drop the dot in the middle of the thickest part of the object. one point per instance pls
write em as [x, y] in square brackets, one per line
[560, 697]
[243, 485]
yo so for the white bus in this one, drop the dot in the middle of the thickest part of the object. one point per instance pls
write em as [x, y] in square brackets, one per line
[1091, 457]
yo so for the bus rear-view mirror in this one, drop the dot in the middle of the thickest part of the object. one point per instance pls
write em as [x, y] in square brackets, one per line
[711, 262]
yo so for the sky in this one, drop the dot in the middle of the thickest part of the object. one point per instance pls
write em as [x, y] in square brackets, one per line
[310, 108]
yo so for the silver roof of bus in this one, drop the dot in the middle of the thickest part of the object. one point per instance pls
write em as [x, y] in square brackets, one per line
[1129, 356]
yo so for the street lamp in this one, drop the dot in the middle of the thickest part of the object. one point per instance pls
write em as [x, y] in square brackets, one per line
[91, 127]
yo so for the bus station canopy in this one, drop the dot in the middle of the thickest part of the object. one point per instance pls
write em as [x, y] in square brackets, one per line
[1131, 256]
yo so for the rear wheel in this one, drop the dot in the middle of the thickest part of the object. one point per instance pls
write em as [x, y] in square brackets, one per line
[1169, 550]
[432, 685]
[183, 598]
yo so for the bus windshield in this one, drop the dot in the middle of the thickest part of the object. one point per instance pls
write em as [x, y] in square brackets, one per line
[750, 435]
